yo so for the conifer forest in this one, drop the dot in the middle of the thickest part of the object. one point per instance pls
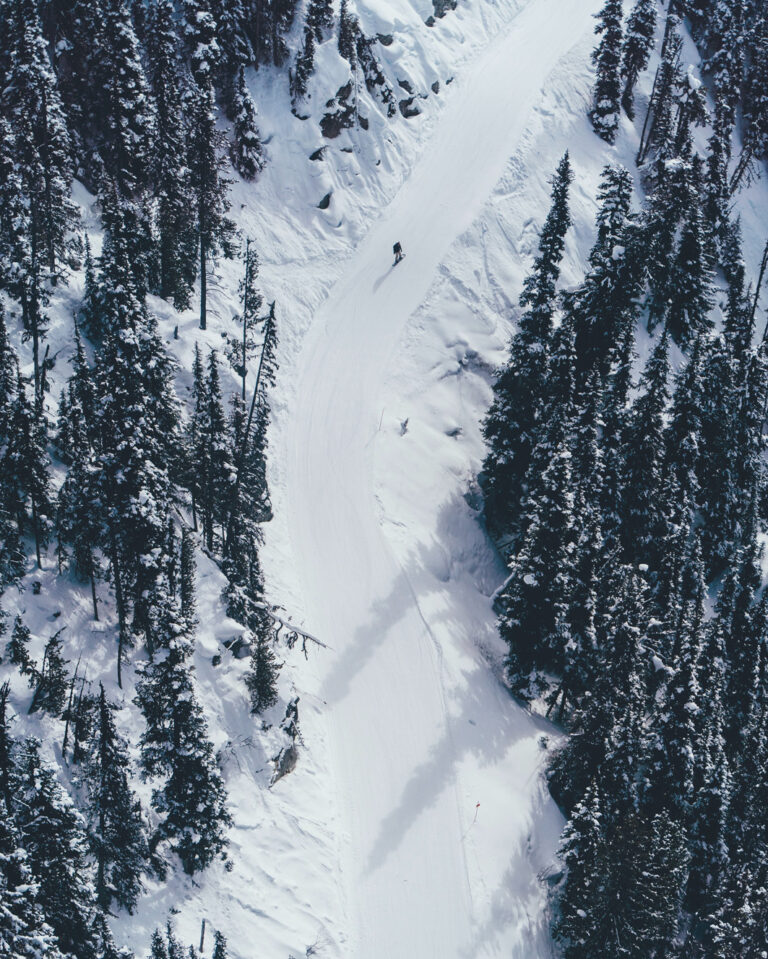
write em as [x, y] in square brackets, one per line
[353, 609]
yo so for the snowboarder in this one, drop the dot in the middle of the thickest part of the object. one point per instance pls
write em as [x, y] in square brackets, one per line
[398, 251]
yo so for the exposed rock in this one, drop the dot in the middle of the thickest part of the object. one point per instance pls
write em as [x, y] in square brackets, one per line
[239, 646]
[409, 108]
[325, 202]
[341, 113]
[285, 762]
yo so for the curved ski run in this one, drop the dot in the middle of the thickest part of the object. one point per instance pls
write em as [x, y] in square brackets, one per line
[412, 756]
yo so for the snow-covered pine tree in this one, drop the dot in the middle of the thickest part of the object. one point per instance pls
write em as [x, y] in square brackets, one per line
[137, 426]
[116, 828]
[677, 736]
[14, 226]
[191, 799]
[713, 780]
[644, 452]
[250, 502]
[303, 68]
[261, 678]
[682, 438]
[320, 18]
[246, 151]
[24, 932]
[726, 30]
[607, 59]
[25, 469]
[51, 688]
[348, 32]
[32, 103]
[717, 192]
[533, 605]
[12, 559]
[605, 302]
[53, 835]
[127, 122]
[234, 50]
[243, 348]
[215, 465]
[17, 649]
[175, 215]
[187, 569]
[219, 946]
[583, 912]
[214, 231]
[638, 42]
[690, 286]
[511, 426]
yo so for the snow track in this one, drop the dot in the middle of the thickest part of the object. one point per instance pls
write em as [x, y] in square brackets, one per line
[420, 730]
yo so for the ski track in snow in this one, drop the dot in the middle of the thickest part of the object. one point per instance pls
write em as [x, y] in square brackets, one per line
[420, 729]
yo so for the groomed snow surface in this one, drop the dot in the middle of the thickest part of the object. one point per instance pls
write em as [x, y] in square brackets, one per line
[445, 822]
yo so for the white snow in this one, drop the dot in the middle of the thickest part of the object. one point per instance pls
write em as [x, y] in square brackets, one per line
[421, 730]
[416, 823]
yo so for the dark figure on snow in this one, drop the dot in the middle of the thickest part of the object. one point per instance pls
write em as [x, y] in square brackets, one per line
[398, 251]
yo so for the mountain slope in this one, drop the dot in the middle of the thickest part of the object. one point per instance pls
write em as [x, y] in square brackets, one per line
[408, 699]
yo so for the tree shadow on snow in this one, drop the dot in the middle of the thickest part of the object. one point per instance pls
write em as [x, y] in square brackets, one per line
[470, 726]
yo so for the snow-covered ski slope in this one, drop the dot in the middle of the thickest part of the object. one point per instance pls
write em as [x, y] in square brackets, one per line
[421, 730]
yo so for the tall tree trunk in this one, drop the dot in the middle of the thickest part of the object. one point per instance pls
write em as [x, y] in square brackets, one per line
[203, 283]
[120, 602]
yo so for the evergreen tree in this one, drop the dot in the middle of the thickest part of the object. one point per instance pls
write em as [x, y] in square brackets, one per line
[243, 349]
[303, 68]
[511, 426]
[115, 824]
[678, 745]
[137, 425]
[717, 188]
[32, 102]
[53, 835]
[534, 602]
[212, 227]
[644, 441]
[14, 222]
[583, 916]
[128, 121]
[604, 304]
[638, 43]
[175, 744]
[726, 37]
[348, 33]
[690, 297]
[187, 579]
[24, 932]
[25, 467]
[219, 946]
[246, 151]
[174, 218]
[234, 49]
[607, 60]
[17, 651]
[320, 18]
[261, 679]
[51, 690]
[250, 501]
